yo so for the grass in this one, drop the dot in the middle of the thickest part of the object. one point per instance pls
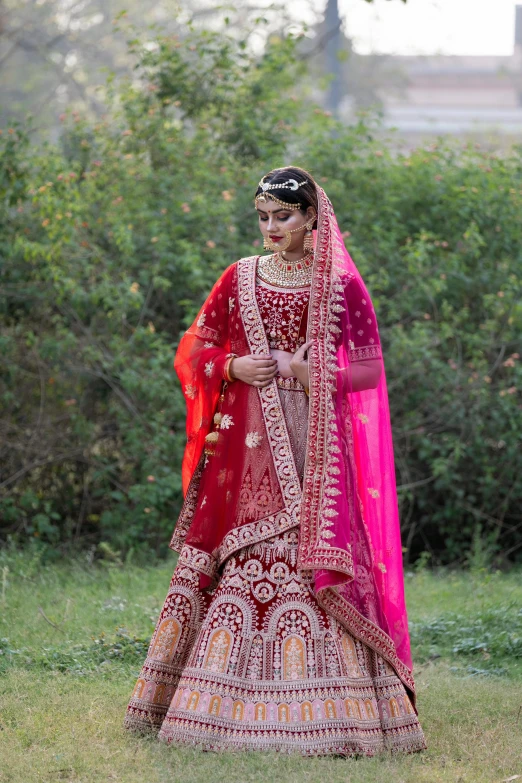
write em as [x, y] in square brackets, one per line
[74, 637]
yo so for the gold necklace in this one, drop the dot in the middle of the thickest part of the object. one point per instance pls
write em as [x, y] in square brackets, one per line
[277, 270]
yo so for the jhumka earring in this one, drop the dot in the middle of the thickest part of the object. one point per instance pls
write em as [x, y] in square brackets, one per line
[308, 243]
[266, 244]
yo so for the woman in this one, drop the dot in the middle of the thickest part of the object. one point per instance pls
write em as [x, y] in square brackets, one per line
[285, 626]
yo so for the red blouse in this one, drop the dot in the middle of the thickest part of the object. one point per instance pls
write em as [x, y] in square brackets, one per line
[284, 312]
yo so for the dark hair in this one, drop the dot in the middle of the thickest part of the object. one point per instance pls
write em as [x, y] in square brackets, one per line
[306, 195]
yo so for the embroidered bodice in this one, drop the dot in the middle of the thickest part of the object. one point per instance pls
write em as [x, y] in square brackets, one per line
[284, 312]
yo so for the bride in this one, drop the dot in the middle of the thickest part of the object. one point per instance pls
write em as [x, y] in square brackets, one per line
[285, 625]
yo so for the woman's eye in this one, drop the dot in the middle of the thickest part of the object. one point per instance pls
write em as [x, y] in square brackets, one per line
[284, 218]
[263, 220]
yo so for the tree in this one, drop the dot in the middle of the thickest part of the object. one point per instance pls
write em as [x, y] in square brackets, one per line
[57, 55]
[110, 241]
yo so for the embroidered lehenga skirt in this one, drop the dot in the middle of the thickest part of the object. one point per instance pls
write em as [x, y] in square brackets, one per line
[256, 663]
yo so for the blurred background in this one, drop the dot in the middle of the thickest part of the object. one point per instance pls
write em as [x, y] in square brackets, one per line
[429, 67]
[133, 137]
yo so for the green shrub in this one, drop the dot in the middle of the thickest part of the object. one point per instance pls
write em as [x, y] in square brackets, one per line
[111, 239]
[124, 650]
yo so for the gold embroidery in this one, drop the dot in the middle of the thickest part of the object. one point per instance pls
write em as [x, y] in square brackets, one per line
[294, 659]
[218, 651]
[166, 640]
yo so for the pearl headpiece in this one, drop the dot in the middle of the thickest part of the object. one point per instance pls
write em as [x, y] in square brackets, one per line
[267, 195]
[290, 184]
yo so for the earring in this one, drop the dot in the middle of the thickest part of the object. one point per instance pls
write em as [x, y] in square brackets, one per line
[308, 243]
[266, 244]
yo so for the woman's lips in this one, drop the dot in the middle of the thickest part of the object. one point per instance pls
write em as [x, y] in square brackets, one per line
[275, 239]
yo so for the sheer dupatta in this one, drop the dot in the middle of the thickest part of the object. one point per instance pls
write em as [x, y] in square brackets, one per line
[350, 533]
[199, 362]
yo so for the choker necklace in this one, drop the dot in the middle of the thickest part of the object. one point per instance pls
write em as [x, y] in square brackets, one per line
[278, 270]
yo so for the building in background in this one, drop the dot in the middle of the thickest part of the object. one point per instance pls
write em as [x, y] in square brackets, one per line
[429, 95]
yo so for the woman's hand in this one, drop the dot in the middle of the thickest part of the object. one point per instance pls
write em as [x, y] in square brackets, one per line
[299, 365]
[255, 370]
[283, 359]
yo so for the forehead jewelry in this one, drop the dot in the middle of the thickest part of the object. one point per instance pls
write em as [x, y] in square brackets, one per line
[264, 199]
[290, 184]
[267, 195]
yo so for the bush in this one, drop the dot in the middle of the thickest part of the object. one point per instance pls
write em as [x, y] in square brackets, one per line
[112, 239]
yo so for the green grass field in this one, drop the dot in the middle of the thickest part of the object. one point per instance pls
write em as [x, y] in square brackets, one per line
[73, 637]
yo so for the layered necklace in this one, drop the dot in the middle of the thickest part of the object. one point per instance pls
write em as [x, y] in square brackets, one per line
[279, 271]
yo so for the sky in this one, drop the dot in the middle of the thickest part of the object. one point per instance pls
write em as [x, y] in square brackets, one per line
[483, 27]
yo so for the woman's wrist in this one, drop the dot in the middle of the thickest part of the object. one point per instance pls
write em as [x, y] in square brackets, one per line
[228, 375]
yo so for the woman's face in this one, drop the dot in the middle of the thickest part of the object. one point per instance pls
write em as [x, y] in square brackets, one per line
[274, 222]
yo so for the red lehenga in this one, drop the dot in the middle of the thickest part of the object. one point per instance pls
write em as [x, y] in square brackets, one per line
[280, 633]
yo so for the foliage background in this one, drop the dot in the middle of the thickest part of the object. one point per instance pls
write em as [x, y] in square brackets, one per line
[111, 239]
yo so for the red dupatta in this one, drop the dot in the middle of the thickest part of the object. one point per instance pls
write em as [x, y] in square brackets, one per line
[248, 490]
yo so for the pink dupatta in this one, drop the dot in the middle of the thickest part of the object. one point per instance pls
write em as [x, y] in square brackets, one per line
[350, 532]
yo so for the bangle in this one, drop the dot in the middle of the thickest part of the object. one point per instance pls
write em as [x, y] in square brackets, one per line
[307, 390]
[226, 368]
